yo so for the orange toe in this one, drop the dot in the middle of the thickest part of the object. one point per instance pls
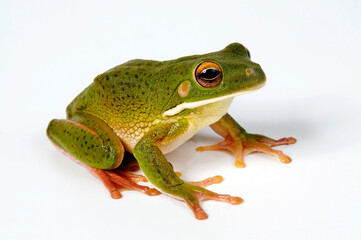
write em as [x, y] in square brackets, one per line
[207, 182]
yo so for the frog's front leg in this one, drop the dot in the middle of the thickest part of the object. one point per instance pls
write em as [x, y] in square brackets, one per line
[91, 142]
[241, 143]
[160, 172]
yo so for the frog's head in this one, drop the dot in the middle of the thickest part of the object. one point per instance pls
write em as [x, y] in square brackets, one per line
[212, 77]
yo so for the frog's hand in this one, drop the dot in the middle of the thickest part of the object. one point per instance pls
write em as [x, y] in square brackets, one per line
[91, 142]
[160, 172]
[241, 143]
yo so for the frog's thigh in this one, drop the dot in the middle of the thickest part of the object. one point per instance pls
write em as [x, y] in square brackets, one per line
[88, 139]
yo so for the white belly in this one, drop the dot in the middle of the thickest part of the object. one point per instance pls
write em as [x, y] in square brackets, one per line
[202, 116]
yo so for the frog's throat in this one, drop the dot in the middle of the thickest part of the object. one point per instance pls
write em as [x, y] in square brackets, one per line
[190, 105]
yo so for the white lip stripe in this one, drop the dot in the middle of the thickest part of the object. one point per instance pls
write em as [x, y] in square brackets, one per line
[189, 105]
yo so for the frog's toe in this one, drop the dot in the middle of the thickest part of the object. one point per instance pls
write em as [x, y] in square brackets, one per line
[133, 177]
[208, 181]
[192, 195]
[198, 212]
[111, 186]
[254, 146]
[117, 180]
[205, 194]
[272, 142]
[228, 145]
[127, 184]
[260, 143]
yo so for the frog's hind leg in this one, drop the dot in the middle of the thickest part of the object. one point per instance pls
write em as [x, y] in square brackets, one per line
[91, 142]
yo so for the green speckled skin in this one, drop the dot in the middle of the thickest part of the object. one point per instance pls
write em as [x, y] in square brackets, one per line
[85, 145]
[141, 106]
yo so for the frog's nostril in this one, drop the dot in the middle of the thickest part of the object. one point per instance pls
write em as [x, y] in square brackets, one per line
[250, 71]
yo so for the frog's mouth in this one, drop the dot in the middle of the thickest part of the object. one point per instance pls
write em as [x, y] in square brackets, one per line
[190, 105]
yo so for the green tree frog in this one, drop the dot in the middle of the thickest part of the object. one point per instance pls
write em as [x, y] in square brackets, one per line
[146, 108]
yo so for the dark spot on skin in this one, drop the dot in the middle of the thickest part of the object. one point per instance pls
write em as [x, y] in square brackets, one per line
[113, 91]
[128, 95]
[81, 145]
[136, 76]
[88, 148]
[77, 138]
[138, 85]
[84, 137]
[107, 78]
[115, 75]
[92, 146]
[86, 142]
[123, 89]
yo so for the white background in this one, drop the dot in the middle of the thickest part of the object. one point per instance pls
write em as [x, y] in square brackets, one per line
[310, 52]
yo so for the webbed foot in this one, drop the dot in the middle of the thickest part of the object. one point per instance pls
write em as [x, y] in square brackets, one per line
[121, 179]
[193, 194]
[251, 143]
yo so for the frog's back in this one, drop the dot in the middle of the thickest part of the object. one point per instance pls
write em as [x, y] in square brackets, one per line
[128, 97]
[120, 89]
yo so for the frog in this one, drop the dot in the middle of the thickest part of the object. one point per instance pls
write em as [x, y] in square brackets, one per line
[144, 109]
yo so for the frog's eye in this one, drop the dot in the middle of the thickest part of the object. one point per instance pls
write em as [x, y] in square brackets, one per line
[248, 54]
[208, 74]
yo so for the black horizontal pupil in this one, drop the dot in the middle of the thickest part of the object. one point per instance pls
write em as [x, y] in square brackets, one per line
[209, 73]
